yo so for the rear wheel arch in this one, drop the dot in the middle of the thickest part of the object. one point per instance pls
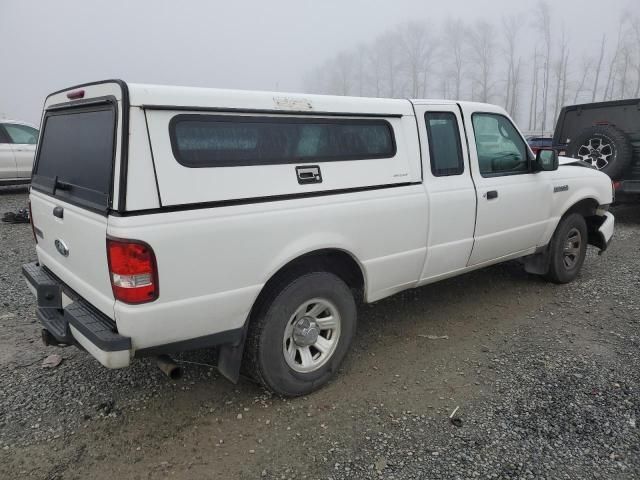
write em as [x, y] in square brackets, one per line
[332, 260]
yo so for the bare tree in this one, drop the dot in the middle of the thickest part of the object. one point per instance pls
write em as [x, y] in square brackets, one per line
[342, 74]
[454, 50]
[544, 25]
[534, 93]
[377, 66]
[476, 59]
[515, 89]
[625, 60]
[560, 74]
[360, 69]
[389, 50]
[482, 45]
[418, 52]
[510, 27]
[608, 91]
[599, 68]
[636, 30]
[586, 67]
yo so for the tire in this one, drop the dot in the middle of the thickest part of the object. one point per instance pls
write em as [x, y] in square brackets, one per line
[280, 351]
[605, 147]
[564, 264]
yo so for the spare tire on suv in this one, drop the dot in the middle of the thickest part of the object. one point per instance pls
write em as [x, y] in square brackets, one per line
[605, 147]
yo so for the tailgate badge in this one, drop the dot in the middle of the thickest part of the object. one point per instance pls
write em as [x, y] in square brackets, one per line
[62, 248]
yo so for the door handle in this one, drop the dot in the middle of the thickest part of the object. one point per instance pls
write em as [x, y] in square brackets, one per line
[491, 194]
[310, 174]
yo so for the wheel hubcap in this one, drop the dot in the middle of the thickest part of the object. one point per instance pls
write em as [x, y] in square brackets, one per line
[572, 246]
[597, 152]
[311, 336]
[305, 332]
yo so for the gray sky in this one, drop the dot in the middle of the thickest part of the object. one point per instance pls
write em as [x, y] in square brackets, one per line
[46, 45]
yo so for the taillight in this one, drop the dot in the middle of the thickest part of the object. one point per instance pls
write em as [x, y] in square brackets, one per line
[133, 271]
[33, 229]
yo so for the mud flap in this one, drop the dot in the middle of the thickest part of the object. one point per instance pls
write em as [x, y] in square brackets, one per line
[538, 263]
[230, 359]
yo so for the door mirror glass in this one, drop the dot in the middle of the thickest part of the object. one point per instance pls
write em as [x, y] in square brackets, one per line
[546, 160]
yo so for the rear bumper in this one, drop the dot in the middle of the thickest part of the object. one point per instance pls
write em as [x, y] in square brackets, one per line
[71, 320]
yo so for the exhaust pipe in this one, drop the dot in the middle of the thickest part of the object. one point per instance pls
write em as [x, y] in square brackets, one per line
[170, 368]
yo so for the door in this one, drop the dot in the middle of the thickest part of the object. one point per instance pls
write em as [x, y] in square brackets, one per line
[514, 203]
[7, 159]
[450, 190]
[24, 139]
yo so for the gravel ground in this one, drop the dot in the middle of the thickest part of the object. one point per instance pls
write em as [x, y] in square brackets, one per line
[546, 380]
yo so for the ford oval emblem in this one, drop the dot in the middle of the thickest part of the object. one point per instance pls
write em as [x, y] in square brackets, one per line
[62, 248]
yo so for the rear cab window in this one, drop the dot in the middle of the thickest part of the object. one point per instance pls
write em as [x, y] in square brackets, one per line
[75, 159]
[445, 148]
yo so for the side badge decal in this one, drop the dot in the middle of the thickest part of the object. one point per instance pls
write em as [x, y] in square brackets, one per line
[62, 248]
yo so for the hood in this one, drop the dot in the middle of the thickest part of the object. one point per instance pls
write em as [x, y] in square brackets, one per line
[574, 161]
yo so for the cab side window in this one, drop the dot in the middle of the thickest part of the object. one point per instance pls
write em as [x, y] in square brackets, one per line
[445, 148]
[4, 138]
[501, 149]
[21, 134]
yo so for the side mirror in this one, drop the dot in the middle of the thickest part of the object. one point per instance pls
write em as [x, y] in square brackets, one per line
[546, 160]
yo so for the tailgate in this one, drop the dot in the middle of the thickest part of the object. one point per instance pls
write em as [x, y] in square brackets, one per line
[73, 248]
[72, 190]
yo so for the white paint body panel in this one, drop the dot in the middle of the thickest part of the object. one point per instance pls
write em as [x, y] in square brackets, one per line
[24, 155]
[8, 169]
[214, 260]
[212, 263]
[16, 159]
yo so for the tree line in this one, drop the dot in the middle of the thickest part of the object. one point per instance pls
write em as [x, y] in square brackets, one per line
[491, 62]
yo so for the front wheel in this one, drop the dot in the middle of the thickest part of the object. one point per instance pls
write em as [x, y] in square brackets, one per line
[301, 333]
[568, 249]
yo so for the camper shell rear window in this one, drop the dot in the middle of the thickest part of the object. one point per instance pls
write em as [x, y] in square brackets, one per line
[76, 155]
[203, 140]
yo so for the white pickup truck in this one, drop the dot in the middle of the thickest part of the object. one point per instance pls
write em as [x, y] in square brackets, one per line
[170, 219]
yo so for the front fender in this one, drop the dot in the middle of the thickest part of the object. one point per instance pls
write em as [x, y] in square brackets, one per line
[574, 186]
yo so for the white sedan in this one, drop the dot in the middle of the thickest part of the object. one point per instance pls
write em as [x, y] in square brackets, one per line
[17, 149]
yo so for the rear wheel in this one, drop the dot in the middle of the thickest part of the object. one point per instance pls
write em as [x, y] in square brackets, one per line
[568, 249]
[301, 333]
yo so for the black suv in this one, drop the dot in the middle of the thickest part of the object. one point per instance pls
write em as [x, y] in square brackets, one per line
[606, 135]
